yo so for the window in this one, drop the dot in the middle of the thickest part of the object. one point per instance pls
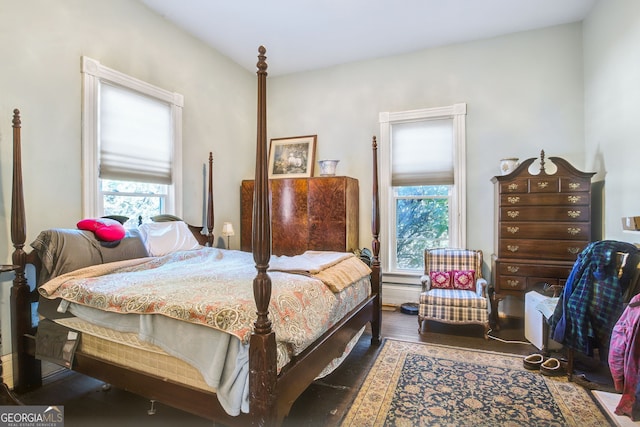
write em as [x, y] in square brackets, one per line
[422, 184]
[131, 141]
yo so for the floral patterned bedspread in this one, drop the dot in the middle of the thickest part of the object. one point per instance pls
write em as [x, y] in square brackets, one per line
[212, 287]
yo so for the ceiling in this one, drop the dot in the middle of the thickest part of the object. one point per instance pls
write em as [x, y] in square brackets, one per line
[302, 35]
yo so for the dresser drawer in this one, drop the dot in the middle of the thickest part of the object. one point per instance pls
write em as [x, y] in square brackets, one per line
[545, 230]
[510, 283]
[545, 199]
[562, 250]
[524, 283]
[533, 270]
[522, 276]
[515, 186]
[573, 184]
[550, 213]
[545, 184]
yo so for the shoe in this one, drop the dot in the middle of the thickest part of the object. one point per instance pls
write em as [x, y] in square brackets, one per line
[533, 361]
[552, 368]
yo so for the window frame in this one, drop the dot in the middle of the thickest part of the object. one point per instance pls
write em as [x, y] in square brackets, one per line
[458, 228]
[93, 75]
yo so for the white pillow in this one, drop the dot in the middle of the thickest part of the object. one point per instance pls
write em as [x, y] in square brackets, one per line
[162, 238]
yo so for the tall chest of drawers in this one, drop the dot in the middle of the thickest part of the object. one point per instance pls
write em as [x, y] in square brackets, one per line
[543, 221]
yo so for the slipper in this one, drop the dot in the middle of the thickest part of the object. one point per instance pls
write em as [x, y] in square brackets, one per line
[552, 368]
[533, 361]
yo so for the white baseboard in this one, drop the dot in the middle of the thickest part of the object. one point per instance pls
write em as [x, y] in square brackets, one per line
[397, 294]
[7, 370]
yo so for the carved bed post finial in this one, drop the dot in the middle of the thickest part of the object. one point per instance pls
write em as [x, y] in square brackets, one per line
[542, 161]
[16, 118]
[262, 61]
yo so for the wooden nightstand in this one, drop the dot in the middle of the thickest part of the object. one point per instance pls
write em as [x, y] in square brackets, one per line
[6, 396]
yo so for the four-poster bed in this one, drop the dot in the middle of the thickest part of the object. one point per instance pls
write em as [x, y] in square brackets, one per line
[272, 385]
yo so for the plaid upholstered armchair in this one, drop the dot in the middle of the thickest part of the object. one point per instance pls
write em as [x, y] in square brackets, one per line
[453, 290]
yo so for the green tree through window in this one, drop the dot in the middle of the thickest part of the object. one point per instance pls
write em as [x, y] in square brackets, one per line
[422, 221]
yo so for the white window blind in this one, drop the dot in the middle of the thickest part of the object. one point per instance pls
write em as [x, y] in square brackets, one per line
[135, 136]
[422, 153]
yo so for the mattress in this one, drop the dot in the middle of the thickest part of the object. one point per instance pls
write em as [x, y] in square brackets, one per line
[126, 349]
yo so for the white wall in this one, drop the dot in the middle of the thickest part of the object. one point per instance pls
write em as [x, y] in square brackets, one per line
[42, 42]
[40, 74]
[612, 95]
[524, 93]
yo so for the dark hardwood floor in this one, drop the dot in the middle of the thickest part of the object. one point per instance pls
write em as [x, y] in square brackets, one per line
[324, 403]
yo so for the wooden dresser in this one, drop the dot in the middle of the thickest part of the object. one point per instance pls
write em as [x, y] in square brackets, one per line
[543, 223]
[306, 213]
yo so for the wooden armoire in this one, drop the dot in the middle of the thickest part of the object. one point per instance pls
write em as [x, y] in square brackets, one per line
[543, 221]
[319, 213]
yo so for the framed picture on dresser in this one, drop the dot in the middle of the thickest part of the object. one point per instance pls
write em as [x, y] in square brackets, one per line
[292, 157]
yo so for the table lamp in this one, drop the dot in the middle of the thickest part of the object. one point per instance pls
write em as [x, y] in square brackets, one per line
[227, 231]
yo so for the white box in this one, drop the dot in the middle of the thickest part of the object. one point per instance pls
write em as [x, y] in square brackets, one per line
[534, 321]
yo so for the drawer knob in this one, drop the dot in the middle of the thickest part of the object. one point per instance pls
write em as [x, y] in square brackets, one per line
[573, 199]
[513, 268]
[513, 230]
[543, 184]
[573, 230]
[513, 199]
[513, 283]
[513, 214]
[574, 185]
[573, 251]
[513, 248]
[513, 187]
[573, 214]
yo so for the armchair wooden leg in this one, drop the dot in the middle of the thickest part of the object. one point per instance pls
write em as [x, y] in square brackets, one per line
[422, 325]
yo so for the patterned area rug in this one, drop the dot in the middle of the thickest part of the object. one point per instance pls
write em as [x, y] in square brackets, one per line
[413, 384]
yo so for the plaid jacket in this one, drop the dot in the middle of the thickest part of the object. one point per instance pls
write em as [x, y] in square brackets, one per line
[592, 299]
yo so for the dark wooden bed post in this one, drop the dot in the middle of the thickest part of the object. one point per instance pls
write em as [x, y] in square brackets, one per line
[209, 223]
[376, 273]
[262, 347]
[204, 234]
[26, 369]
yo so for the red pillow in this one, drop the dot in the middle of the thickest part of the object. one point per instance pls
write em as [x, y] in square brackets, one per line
[440, 279]
[464, 279]
[105, 229]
